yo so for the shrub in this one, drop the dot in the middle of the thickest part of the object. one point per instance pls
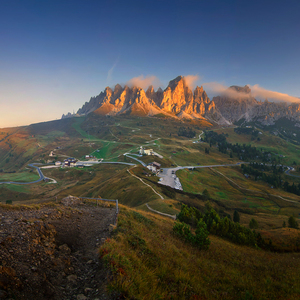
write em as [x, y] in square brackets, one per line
[200, 239]
[253, 224]
[236, 217]
[293, 223]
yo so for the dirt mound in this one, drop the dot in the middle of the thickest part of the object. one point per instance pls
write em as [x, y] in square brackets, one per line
[51, 253]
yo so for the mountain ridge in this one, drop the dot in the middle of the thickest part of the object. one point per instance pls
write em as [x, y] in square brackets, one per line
[178, 100]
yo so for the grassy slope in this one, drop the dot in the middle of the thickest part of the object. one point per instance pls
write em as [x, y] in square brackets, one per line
[150, 263]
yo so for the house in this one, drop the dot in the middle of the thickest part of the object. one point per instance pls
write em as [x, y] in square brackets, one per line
[58, 163]
[154, 167]
[143, 151]
[70, 162]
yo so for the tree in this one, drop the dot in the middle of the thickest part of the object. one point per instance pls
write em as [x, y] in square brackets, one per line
[206, 194]
[293, 223]
[236, 217]
[284, 224]
[253, 224]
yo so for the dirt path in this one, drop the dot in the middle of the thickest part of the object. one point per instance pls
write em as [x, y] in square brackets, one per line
[52, 253]
[161, 197]
[160, 213]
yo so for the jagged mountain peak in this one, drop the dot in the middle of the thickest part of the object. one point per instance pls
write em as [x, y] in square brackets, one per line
[245, 89]
[178, 81]
[177, 100]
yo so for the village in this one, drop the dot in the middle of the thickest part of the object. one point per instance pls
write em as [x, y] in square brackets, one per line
[167, 176]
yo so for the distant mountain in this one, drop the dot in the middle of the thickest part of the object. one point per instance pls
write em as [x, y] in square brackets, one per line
[245, 107]
[179, 101]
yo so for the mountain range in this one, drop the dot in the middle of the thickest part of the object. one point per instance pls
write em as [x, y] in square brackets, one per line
[179, 101]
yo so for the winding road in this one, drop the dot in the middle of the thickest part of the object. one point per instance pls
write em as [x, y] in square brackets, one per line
[42, 177]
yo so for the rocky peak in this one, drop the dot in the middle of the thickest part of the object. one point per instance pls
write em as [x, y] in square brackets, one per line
[117, 91]
[200, 95]
[150, 91]
[177, 99]
[240, 89]
[178, 81]
[108, 91]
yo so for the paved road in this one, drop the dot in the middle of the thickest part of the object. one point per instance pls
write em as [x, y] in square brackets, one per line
[141, 162]
[42, 177]
[287, 172]
[93, 162]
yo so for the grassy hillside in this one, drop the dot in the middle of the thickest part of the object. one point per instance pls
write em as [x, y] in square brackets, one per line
[149, 262]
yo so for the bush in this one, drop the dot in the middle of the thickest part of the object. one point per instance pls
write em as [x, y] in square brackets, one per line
[293, 223]
[200, 239]
[236, 217]
[206, 195]
[253, 224]
[8, 201]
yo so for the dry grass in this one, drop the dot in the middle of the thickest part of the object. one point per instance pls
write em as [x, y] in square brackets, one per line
[150, 263]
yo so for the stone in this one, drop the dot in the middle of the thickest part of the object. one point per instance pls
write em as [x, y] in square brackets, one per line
[64, 248]
[72, 278]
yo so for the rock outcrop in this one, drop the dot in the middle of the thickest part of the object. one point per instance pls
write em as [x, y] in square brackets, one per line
[177, 100]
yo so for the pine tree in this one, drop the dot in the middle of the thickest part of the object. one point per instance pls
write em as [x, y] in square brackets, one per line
[253, 224]
[293, 223]
[236, 217]
[206, 194]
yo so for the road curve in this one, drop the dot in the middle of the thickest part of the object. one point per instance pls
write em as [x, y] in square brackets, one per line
[42, 177]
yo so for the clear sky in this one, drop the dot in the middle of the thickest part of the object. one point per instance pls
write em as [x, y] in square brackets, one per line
[55, 55]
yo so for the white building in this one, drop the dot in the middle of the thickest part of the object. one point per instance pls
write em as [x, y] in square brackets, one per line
[143, 151]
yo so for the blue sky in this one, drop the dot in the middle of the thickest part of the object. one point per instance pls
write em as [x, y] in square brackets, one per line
[55, 55]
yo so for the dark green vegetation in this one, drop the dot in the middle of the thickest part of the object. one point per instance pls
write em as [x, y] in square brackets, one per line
[174, 262]
[212, 223]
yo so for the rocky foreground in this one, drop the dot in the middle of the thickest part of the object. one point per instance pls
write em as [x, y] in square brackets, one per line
[52, 252]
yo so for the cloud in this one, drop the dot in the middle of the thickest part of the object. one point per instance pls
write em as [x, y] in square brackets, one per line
[259, 92]
[144, 82]
[256, 92]
[191, 80]
[110, 71]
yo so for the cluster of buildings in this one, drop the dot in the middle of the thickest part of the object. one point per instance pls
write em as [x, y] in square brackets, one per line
[154, 167]
[69, 162]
